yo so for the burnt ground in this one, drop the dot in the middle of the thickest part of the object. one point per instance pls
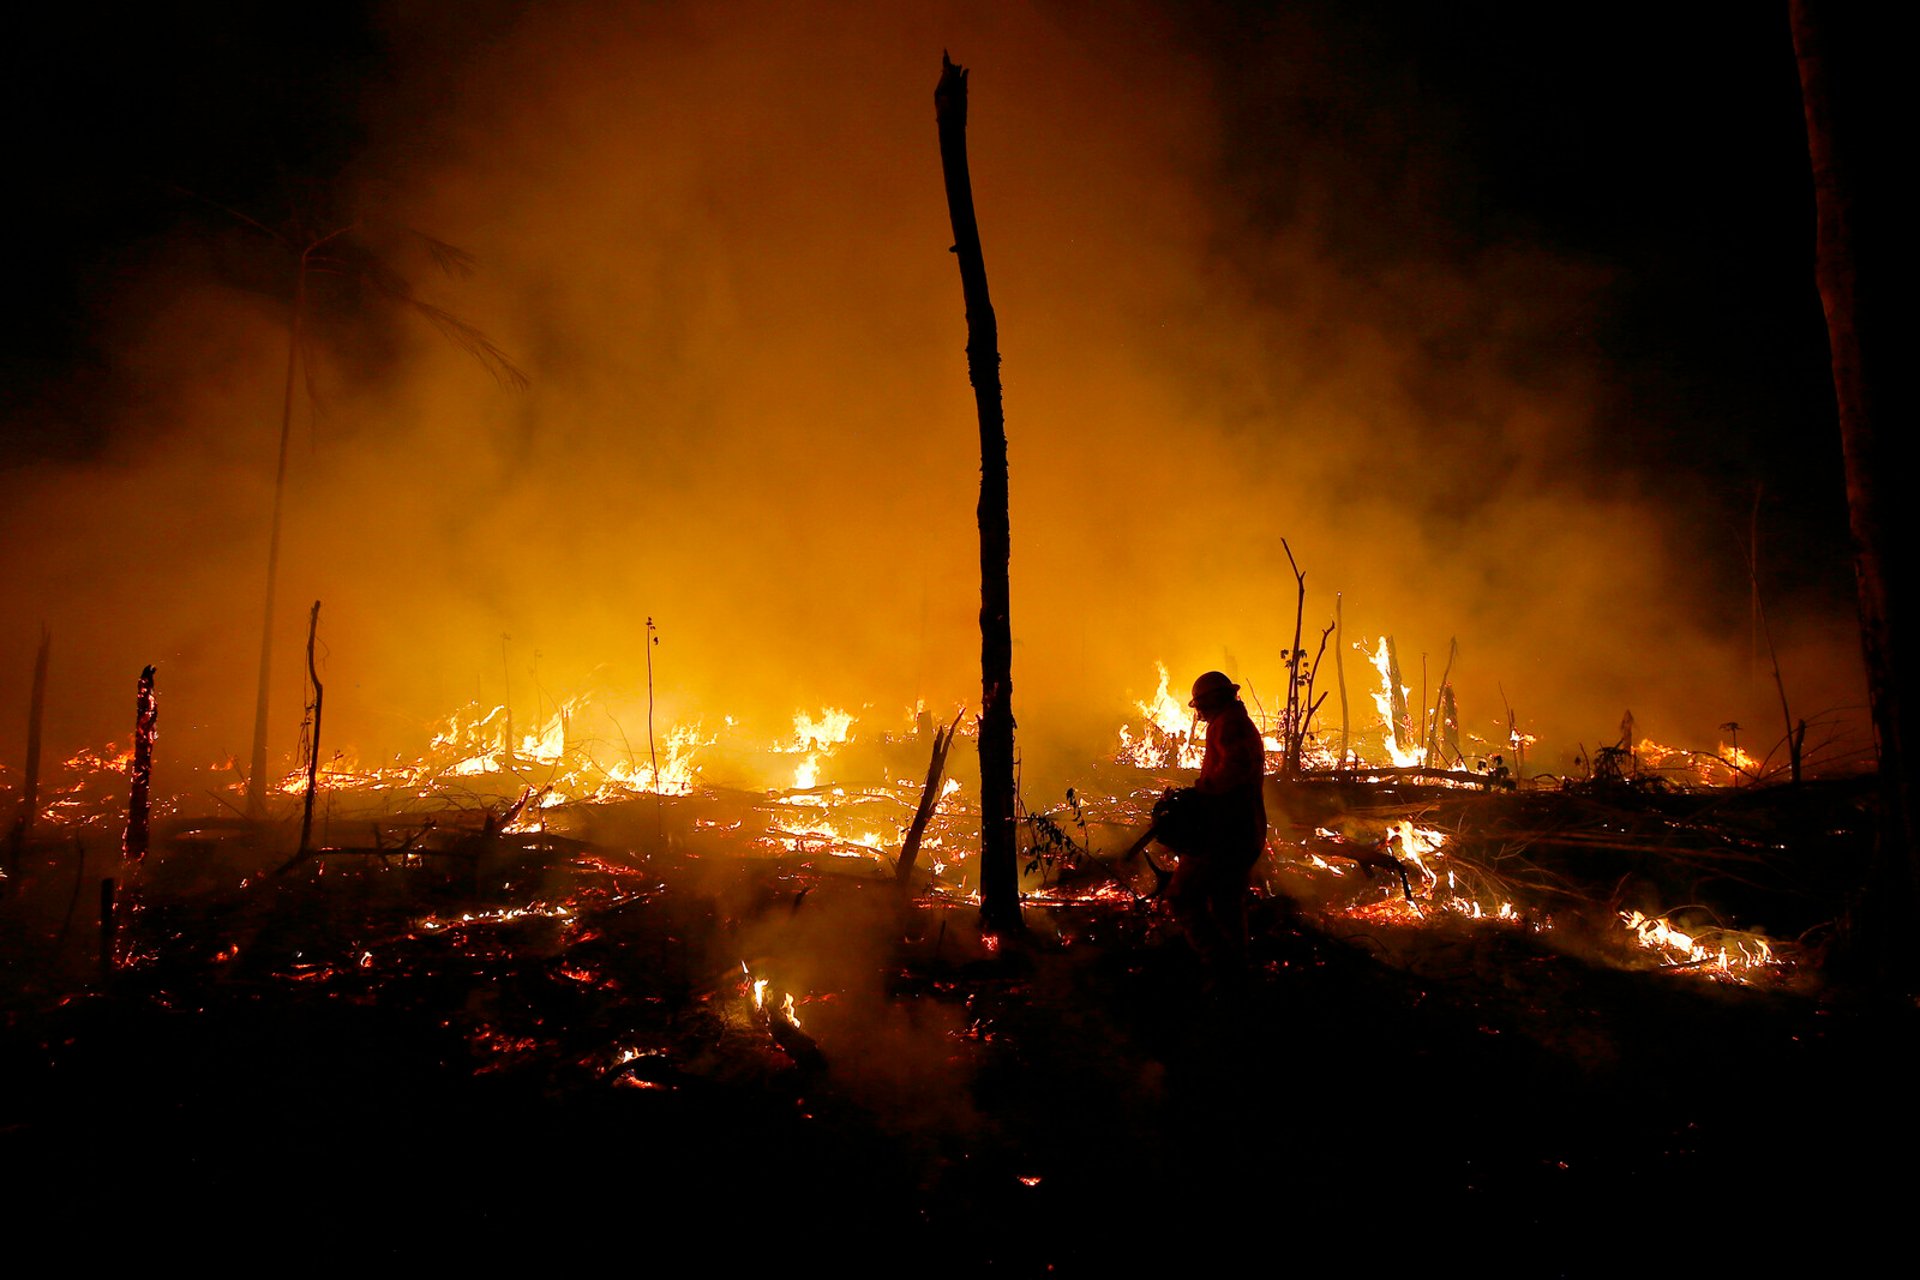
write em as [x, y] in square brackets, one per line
[303, 1072]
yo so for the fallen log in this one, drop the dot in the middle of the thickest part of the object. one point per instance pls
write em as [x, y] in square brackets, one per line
[1464, 777]
[794, 1042]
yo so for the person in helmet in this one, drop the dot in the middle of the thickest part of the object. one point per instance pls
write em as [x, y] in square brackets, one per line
[1209, 888]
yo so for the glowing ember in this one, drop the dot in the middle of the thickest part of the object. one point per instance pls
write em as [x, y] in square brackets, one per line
[503, 915]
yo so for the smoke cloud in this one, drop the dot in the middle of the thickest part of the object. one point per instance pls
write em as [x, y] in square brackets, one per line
[714, 237]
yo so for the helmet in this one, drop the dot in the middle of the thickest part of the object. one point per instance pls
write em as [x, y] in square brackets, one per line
[1213, 686]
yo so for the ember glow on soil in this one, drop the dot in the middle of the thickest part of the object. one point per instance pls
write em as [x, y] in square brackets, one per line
[1400, 858]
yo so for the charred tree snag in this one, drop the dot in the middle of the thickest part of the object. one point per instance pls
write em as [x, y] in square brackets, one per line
[929, 800]
[257, 768]
[30, 780]
[146, 717]
[999, 855]
[36, 715]
[653, 755]
[313, 752]
[1296, 656]
[1765, 634]
[1443, 725]
[1855, 303]
[1340, 674]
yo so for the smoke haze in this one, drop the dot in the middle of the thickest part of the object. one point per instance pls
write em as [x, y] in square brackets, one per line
[715, 238]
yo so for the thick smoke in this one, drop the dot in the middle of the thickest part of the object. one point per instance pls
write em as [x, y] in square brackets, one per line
[714, 236]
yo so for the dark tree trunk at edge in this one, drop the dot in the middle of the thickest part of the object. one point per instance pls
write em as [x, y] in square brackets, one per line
[1837, 143]
[999, 860]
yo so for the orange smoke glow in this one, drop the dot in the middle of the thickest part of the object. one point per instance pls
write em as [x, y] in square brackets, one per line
[714, 236]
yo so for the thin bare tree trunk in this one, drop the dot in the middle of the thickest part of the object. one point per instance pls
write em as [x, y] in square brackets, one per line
[1290, 758]
[1437, 724]
[999, 859]
[313, 754]
[929, 801]
[30, 781]
[257, 770]
[1340, 672]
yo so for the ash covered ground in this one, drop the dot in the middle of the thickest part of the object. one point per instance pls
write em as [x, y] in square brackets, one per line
[470, 1044]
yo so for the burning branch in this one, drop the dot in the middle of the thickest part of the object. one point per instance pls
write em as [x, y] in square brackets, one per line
[1290, 760]
[1301, 705]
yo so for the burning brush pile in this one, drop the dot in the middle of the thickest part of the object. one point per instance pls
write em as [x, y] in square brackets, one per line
[1641, 865]
[1650, 858]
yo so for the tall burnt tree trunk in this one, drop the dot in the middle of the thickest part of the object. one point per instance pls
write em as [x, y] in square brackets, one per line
[1340, 672]
[30, 780]
[1855, 303]
[257, 768]
[146, 719]
[999, 860]
[313, 754]
[1296, 661]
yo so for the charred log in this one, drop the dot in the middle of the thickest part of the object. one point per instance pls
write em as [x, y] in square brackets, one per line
[794, 1042]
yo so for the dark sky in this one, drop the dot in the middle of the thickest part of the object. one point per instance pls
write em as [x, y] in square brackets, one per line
[113, 113]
